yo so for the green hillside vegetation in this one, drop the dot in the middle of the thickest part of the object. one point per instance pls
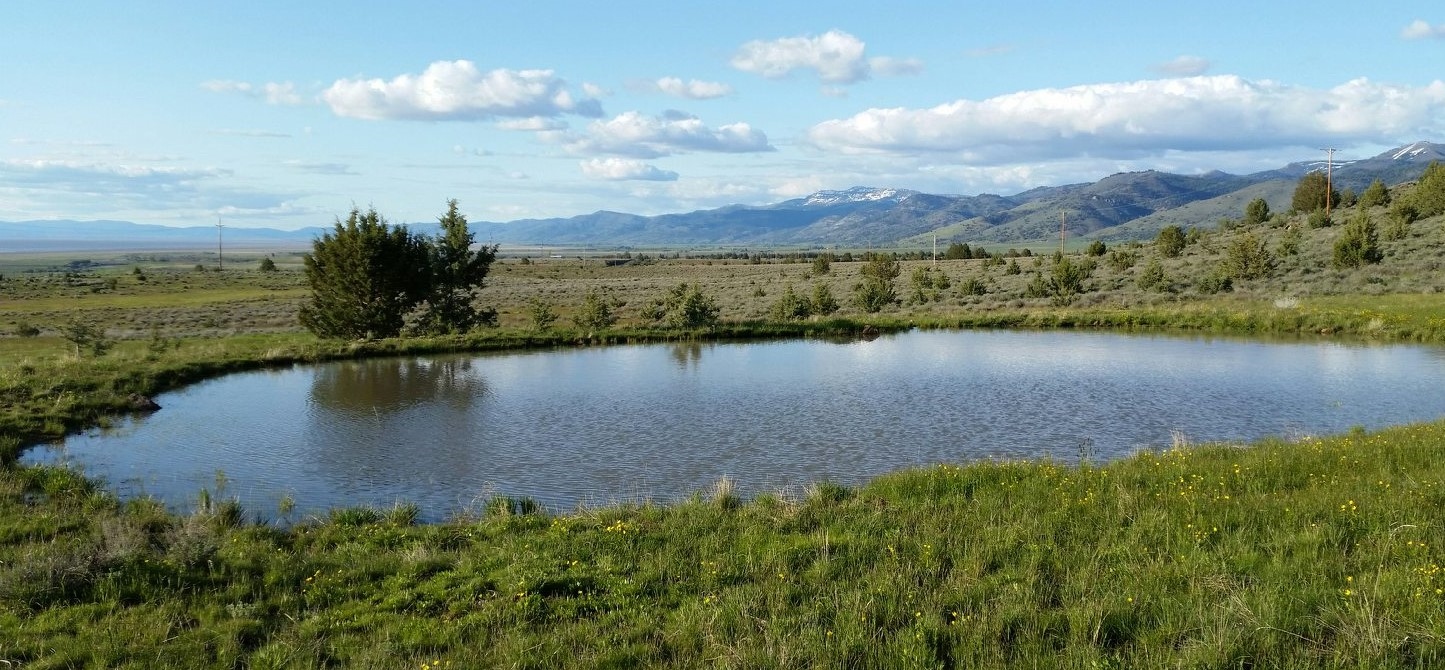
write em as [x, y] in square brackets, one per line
[1318, 552]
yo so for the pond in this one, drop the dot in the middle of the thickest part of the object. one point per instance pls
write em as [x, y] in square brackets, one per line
[626, 423]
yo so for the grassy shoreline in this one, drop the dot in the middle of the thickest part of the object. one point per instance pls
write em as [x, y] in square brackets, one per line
[1319, 553]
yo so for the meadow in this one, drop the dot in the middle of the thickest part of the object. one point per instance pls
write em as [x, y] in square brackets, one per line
[1320, 552]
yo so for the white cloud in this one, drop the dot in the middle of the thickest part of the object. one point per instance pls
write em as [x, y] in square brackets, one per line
[634, 134]
[1422, 30]
[108, 188]
[1128, 120]
[837, 58]
[1184, 66]
[694, 89]
[458, 91]
[625, 169]
[274, 93]
[532, 124]
[594, 91]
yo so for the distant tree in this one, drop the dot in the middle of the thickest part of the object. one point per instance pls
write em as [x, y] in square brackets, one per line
[1312, 192]
[1376, 195]
[1013, 267]
[1170, 241]
[980, 252]
[365, 275]
[791, 306]
[1096, 248]
[1289, 242]
[86, 338]
[595, 313]
[823, 264]
[1357, 244]
[267, 265]
[1256, 212]
[1247, 258]
[1347, 198]
[958, 251]
[876, 290]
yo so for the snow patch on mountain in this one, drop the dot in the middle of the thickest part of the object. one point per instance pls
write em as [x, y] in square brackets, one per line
[1411, 151]
[855, 194]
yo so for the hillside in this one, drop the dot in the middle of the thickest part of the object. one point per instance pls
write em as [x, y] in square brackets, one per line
[1131, 205]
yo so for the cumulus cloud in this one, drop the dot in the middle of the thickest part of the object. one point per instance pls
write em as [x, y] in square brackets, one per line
[1128, 120]
[274, 93]
[625, 169]
[637, 135]
[1184, 66]
[837, 58]
[694, 89]
[1422, 30]
[458, 91]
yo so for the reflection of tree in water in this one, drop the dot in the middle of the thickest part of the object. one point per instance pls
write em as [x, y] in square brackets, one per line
[390, 384]
[687, 354]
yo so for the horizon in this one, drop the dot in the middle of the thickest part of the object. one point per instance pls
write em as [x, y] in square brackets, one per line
[284, 117]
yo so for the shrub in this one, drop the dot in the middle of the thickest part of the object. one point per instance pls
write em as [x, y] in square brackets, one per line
[685, 306]
[26, 329]
[876, 290]
[1152, 278]
[927, 285]
[1217, 281]
[1247, 258]
[1376, 195]
[823, 264]
[542, 314]
[1170, 241]
[595, 313]
[1256, 212]
[823, 302]
[1096, 248]
[267, 265]
[1357, 244]
[1320, 219]
[790, 306]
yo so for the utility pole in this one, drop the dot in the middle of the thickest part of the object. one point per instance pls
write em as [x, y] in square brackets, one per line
[220, 260]
[935, 250]
[1063, 232]
[1329, 177]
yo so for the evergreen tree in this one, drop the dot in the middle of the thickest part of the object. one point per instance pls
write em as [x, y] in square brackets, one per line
[1357, 245]
[1247, 258]
[1376, 195]
[1170, 241]
[458, 272]
[1256, 212]
[365, 275]
[1429, 196]
[1311, 193]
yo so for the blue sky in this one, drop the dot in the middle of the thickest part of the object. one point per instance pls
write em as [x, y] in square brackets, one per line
[286, 114]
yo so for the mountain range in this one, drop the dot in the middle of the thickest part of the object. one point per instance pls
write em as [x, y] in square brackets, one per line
[1129, 205]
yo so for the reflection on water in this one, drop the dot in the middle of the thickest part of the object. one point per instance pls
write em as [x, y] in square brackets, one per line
[618, 423]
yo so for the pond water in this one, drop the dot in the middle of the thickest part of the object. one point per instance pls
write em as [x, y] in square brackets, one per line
[660, 422]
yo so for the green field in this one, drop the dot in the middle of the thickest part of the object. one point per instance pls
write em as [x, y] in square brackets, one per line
[1320, 552]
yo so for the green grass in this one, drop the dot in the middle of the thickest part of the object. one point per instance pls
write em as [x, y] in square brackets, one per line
[1320, 553]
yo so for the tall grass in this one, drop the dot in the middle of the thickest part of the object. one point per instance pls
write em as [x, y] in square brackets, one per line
[1317, 553]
